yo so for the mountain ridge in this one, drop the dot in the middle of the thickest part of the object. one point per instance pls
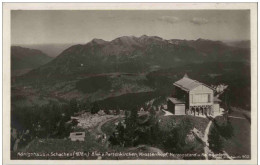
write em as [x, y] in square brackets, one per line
[25, 59]
[137, 54]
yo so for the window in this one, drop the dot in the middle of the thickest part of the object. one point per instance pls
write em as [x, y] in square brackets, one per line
[201, 98]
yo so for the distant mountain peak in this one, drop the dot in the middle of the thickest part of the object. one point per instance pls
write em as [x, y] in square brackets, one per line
[144, 36]
[125, 40]
[98, 41]
[201, 39]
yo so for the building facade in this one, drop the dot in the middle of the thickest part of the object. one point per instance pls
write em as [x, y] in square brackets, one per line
[192, 98]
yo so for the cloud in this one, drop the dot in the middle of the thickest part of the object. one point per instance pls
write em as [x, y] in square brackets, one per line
[169, 19]
[199, 21]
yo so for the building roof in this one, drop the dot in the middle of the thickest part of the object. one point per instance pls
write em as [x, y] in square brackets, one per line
[188, 84]
[216, 99]
[175, 100]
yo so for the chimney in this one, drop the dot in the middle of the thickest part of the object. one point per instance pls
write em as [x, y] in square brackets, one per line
[185, 75]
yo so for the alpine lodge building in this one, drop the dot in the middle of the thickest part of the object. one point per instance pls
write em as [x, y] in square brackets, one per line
[191, 97]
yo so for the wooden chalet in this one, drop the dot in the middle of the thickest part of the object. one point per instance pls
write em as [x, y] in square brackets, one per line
[192, 98]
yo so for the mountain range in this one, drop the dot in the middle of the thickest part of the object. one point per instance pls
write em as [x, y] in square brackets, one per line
[137, 54]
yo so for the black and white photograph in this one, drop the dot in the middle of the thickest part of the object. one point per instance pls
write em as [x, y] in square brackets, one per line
[125, 84]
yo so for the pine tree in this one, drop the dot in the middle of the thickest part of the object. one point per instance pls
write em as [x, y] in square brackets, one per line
[73, 104]
[172, 139]
[131, 126]
[215, 142]
[227, 130]
[117, 111]
[95, 108]
[106, 111]
[152, 116]
[121, 133]
[155, 133]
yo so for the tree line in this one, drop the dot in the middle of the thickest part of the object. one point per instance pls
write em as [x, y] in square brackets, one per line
[132, 132]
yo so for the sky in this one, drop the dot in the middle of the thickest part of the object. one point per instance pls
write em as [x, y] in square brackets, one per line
[74, 26]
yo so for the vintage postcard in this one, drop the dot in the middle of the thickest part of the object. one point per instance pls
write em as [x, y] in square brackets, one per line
[132, 83]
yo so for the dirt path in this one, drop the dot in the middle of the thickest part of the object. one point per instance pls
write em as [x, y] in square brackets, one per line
[206, 134]
[237, 117]
[167, 113]
[99, 130]
[207, 151]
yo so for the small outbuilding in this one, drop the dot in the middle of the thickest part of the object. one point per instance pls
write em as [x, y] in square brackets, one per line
[176, 106]
[77, 136]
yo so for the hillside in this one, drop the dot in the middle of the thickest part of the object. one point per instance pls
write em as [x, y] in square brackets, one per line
[25, 59]
[240, 44]
[52, 50]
